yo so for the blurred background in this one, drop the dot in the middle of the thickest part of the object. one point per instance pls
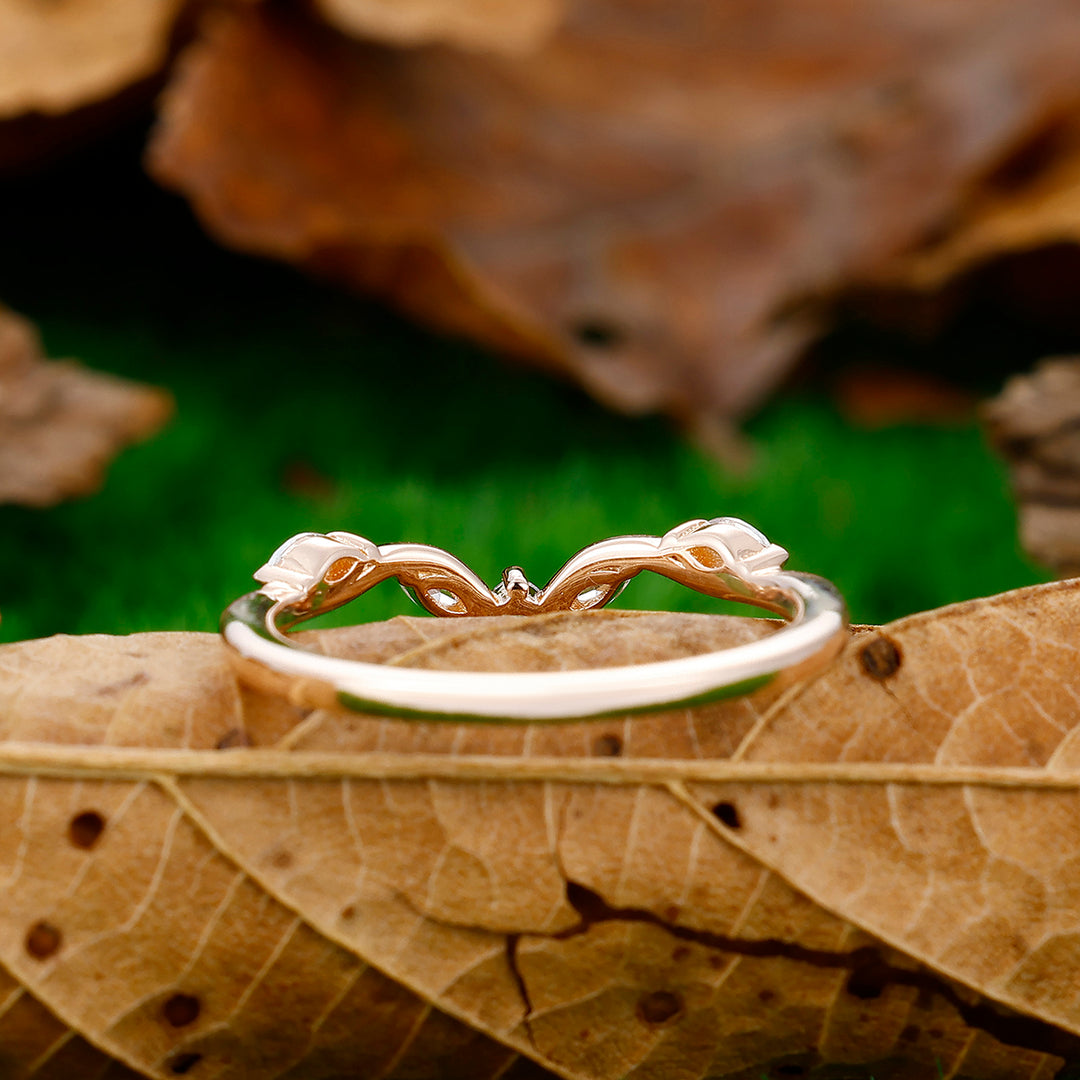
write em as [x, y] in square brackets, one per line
[512, 278]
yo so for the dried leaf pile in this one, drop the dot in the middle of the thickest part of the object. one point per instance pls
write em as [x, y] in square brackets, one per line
[54, 58]
[660, 203]
[653, 203]
[61, 424]
[875, 871]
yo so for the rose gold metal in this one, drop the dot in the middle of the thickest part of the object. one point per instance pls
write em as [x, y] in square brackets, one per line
[724, 557]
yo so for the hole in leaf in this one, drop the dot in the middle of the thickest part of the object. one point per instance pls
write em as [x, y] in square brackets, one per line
[727, 813]
[181, 1010]
[607, 745]
[791, 1070]
[598, 333]
[42, 940]
[86, 828]
[659, 1007]
[880, 658]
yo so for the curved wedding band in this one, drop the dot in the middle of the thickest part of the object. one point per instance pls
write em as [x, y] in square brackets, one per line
[312, 573]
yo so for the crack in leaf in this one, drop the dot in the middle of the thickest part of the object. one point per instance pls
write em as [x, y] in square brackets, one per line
[523, 989]
[870, 972]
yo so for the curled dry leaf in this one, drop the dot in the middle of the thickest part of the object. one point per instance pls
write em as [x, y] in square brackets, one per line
[652, 202]
[498, 25]
[73, 69]
[60, 424]
[1030, 201]
[1035, 425]
[55, 57]
[876, 870]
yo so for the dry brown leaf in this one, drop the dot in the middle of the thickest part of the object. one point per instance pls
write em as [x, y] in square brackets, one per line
[874, 871]
[71, 70]
[1031, 201]
[61, 424]
[498, 25]
[651, 202]
[55, 57]
[1033, 424]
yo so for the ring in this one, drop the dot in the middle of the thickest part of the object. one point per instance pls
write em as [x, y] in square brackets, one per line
[312, 573]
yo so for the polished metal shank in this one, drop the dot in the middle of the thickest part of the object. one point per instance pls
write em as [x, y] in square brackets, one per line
[724, 557]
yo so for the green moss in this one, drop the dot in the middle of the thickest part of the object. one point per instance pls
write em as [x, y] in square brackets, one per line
[900, 520]
[303, 409]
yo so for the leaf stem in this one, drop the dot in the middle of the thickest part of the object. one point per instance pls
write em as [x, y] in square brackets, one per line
[142, 763]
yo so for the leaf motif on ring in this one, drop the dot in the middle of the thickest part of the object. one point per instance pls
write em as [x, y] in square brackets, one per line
[329, 570]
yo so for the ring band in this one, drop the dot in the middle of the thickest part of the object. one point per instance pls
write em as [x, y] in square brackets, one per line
[312, 573]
